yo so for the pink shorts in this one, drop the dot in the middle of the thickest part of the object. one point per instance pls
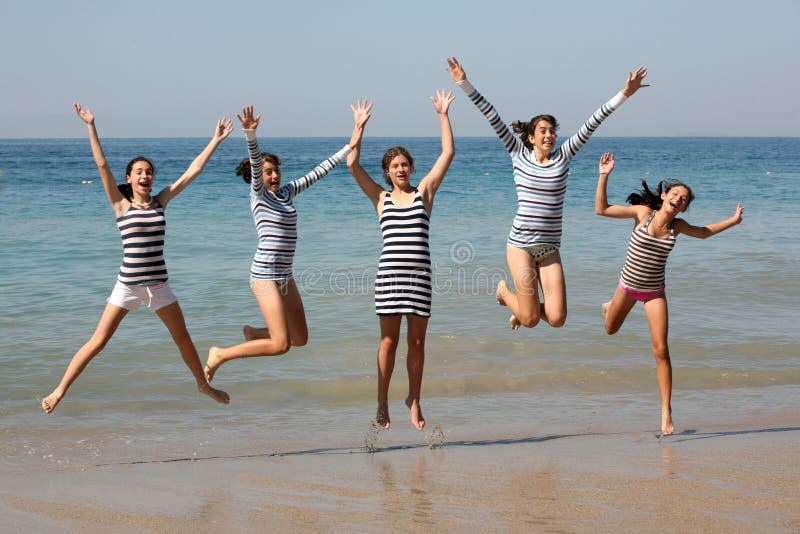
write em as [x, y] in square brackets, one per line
[155, 296]
[641, 296]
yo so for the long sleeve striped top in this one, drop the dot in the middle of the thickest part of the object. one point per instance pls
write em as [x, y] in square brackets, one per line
[275, 216]
[541, 188]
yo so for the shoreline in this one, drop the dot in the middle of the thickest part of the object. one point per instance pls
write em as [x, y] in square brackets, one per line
[720, 478]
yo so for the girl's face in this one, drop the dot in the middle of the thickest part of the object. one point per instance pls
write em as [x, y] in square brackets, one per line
[399, 171]
[676, 200]
[141, 179]
[544, 136]
[272, 176]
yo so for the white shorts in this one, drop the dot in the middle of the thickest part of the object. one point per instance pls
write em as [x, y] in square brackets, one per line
[155, 296]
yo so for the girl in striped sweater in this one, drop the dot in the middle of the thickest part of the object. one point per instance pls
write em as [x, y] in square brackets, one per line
[643, 276]
[540, 173]
[271, 278]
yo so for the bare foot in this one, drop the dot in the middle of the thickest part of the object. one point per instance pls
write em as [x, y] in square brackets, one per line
[212, 363]
[50, 402]
[605, 307]
[667, 427]
[382, 417]
[216, 394]
[416, 413]
[514, 322]
[502, 289]
[251, 333]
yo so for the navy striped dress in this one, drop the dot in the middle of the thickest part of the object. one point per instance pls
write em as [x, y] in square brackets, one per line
[142, 232]
[403, 282]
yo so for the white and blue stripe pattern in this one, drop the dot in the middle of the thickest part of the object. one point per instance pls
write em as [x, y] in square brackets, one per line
[541, 188]
[142, 232]
[275, 216]
[403, 281]
[646, 260]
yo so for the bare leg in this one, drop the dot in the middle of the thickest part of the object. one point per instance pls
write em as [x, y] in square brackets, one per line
[658, 318]
[268, 295]
[502, 291]
[109, 321]
[172, 316]
[253, 332]
[617, 310]
[390, 335]
[524, 305]
[554, 290]
[415, 363]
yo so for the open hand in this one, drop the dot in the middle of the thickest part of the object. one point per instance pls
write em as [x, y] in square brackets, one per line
[442, 101]
[247, 120]
[606, 163]
[456, 70]
[223, 129]
[634, 81]
[85, 114]
[361, 112]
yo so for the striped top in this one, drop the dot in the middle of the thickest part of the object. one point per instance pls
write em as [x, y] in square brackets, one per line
[142, 232]
[275, 216]
[541, 188]
[646, 261]
[403, 281]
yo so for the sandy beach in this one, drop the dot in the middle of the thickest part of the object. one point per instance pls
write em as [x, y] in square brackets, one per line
[741, 478]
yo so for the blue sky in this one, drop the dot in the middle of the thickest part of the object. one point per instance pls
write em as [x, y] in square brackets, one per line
[170, 68]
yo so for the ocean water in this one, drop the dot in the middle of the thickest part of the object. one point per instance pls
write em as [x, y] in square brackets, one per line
[733, 303]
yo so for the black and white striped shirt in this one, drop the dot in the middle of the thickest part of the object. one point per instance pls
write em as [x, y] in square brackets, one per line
[142, 232]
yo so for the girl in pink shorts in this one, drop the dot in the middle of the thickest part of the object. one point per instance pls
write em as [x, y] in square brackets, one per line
[642, 278]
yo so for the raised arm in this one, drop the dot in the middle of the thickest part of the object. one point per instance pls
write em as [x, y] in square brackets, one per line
[361, 115]
[109, 183]
[431, 182]
[511, 142]
[601, 205]
[708, 230]
[222, 130]
[572, 145]
[250, 126]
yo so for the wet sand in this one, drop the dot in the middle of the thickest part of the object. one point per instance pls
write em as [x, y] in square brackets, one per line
[743, 478]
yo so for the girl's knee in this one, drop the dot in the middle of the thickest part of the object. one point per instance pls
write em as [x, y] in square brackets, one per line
[557, 321]
[660, 351]
[388, 343]
[529, 320]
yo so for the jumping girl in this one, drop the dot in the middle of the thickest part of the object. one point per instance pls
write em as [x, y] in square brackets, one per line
[642, 279]
[540, 174]
[271, 279]
[403, 283]
[143, 275]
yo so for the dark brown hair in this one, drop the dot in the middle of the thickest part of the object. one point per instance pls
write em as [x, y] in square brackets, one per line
[525, 129]
[652, 199]
[392, 153]
[125, 188]
[244, 170]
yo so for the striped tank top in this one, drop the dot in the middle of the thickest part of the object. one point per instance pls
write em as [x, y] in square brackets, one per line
[646, 261]
[403, 281]
[142, 232]
[541, 188]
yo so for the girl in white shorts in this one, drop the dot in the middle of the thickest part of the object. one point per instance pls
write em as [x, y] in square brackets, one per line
[143, 273]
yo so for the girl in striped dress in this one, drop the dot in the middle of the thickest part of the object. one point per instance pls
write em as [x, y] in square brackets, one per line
[540, 173]
[271, 280]
[403, 283]
[143, 275]
[643, 276]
